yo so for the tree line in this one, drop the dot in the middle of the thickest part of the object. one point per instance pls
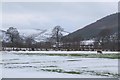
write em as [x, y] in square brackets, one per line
[56, 41]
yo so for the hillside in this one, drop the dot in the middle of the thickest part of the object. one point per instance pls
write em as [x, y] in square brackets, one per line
[92, 30]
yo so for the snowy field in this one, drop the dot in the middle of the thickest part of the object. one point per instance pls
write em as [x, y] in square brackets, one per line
[65, 52]
[16, 65]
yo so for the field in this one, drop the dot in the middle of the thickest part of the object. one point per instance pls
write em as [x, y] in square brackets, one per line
[59, 65]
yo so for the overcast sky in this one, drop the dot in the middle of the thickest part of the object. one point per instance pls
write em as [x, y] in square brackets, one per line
[46, 15]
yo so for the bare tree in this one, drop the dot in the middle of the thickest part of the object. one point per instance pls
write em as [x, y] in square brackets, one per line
[103, 39]
[57, 35]
[14, 36]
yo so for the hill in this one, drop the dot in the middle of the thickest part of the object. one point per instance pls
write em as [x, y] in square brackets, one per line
[108, 23]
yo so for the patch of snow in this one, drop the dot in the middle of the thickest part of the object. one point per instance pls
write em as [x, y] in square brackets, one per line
[87, 42]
